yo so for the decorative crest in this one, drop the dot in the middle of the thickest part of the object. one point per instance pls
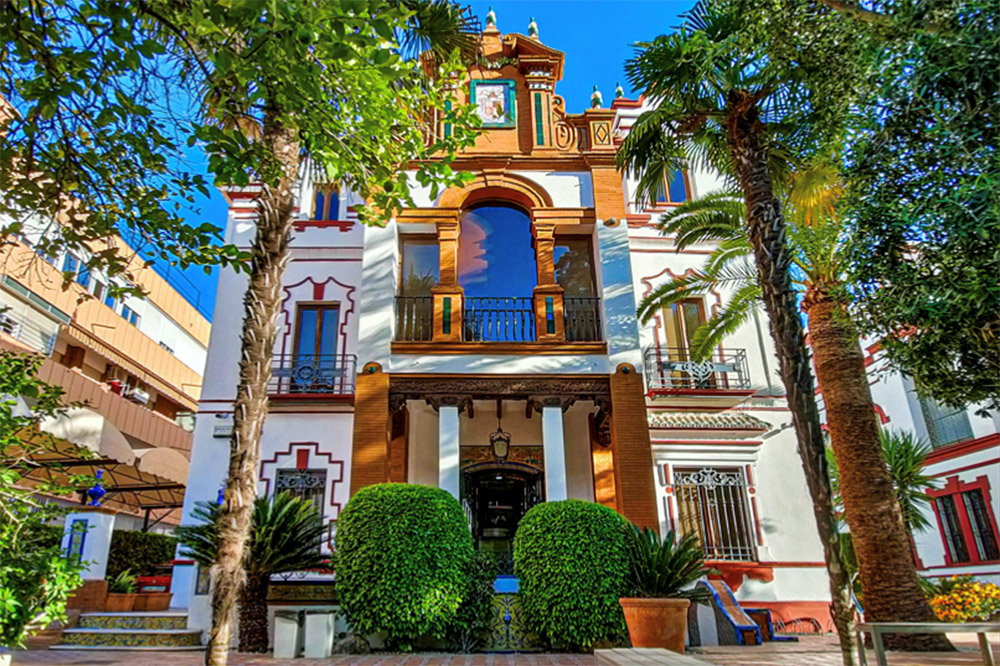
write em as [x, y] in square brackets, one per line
[596, 99]
[491, 18]
[533, 29]
[619, 91]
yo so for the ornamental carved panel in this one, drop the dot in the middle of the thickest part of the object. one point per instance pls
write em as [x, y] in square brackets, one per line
[583, 387]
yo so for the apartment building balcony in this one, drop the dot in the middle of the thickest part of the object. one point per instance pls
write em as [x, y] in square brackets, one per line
[142, 426]
[674, 378]
[544, 323]
[312, 377]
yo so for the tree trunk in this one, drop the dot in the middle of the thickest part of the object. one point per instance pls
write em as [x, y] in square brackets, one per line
[881, 541]
[261, 306]
[253, 615]
[766, 229]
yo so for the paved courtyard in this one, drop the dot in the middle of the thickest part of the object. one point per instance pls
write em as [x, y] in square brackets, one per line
[810, 651]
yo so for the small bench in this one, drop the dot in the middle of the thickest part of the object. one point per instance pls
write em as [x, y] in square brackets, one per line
[877, 629]
[644, 657]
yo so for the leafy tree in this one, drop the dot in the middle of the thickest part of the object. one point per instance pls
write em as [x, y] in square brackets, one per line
[724, 100]
[323, 89]
[91, 137]
[923, 206]
[36, 578]
[286, 535]
[816, 239]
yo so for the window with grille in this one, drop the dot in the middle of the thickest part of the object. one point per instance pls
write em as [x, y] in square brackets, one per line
[968, 526]
[945, 425]
[308, 484]
[713, 503]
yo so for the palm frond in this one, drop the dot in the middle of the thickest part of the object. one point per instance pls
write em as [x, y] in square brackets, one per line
[440, 27]
[905, 455]
[734, 254]
[715, 216]
[671, 292]
[725, 321]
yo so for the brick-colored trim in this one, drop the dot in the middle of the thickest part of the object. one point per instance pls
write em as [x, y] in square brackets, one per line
[631, 451]
[962, 448]
[370, 449]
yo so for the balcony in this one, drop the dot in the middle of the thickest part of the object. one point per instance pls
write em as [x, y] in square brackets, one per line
[718, 382]
[310, 376]
[498, 324]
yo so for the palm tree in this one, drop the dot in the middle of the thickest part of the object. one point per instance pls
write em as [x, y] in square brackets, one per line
[718, 105]
[905, 455]
[286, 535]
[815, 236]
[281, 121]
[722, 102]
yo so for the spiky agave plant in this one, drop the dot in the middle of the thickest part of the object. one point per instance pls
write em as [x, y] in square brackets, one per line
[667, 567]
[286, 535]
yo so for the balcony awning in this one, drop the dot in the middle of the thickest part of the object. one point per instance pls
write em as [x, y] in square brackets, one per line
[85, 442]
[706, 425]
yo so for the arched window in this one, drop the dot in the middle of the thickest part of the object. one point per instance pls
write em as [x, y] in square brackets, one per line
[326, 205]
[496, 257]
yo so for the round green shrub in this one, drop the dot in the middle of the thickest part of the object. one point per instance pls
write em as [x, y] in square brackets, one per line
[403, 560]
[572, 560]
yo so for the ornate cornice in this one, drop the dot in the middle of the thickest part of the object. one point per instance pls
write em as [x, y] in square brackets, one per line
[422, 387]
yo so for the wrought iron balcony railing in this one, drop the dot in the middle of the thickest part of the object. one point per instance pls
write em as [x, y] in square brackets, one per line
[300, 374]
[498, 319]
[583, 318]
[414, 318]
[673, 368]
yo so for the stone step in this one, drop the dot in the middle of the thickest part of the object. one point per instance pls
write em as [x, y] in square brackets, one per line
[133, 621]
[129, 638]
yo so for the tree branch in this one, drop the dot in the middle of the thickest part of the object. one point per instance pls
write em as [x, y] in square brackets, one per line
[852, 9]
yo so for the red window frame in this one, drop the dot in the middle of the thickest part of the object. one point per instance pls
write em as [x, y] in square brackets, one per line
[956, 488]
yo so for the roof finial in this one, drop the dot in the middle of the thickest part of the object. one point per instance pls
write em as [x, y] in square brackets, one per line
[533, 29]
[619, 91]
[596, 99]
[491, 18]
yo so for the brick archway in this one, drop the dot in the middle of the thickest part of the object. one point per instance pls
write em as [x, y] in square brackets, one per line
[497, 186]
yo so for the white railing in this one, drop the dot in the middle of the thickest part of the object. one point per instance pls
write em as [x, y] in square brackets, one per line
[22, 328]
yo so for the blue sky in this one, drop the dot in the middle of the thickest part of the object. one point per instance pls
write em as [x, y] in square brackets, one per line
[596, 36]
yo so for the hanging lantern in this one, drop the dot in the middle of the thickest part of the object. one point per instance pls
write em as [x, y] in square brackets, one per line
[500, 440]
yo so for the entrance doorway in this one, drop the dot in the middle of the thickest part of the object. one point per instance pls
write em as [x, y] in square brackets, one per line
[495, 497]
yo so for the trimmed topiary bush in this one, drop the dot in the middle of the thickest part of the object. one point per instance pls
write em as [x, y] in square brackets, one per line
[137, 551]
[403, 561]
[572, 560]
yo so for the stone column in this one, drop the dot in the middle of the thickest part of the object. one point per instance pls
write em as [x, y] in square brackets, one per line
[88, 535]
[548, 295]
[447, 295]
[370, 446]
[554, 450]
[448, 455]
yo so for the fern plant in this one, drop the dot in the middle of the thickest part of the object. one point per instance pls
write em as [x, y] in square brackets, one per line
[666, 568]
[286, 535]
[123, 583]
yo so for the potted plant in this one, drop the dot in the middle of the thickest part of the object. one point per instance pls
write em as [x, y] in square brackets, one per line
[662, 576]
[121, 592]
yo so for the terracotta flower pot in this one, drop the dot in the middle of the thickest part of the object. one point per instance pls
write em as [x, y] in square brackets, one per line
[120, 603]
[657, 623]
[152, 601]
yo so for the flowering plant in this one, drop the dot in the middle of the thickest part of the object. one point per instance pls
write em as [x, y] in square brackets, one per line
[967, 601]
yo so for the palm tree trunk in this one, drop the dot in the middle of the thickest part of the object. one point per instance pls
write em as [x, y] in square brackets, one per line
[261, 306]
[253, 614]
[766, 229]
[881, 541]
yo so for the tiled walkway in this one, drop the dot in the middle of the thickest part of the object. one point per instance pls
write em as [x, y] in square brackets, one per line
[810, 651]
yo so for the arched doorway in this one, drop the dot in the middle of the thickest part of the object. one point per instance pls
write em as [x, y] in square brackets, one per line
[496, 496]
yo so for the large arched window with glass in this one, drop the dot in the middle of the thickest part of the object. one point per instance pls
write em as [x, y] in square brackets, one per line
[498, 274]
